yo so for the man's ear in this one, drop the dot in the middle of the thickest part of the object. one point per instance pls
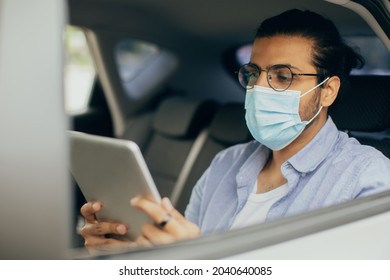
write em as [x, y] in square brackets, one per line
[329, 91]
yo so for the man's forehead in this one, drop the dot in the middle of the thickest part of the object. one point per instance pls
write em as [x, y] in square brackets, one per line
[295, 51]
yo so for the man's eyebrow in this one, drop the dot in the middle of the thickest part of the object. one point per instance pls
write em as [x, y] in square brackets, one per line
[250, 62]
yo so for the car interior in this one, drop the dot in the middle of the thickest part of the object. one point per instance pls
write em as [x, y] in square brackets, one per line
[165, 77]
[183, 104]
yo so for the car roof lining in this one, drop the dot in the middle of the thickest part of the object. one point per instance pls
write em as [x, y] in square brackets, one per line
[170, 24]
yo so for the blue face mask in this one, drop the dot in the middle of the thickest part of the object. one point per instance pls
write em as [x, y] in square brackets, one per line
[273, 117]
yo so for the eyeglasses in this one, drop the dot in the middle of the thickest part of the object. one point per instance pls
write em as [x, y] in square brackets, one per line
[279, 76]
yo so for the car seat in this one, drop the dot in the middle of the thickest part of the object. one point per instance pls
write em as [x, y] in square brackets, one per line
[364, 111]
[167, 136]
[227, 128]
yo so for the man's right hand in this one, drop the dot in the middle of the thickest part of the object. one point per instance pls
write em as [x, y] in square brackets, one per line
[95, 232]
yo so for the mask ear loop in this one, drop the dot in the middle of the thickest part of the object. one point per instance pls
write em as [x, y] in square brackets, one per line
[318, 112]
[320, 84]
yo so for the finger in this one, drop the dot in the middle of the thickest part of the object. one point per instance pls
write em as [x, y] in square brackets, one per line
[167, 206]
[158, 214]
[103, 228]
[155, 211]
[143, 242]
[186, 229]
[89, 209]
[152, 209]
[156, 235]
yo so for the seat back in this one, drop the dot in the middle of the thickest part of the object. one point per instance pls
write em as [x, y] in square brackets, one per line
[227, 128]
[167, 135]
[364, 111]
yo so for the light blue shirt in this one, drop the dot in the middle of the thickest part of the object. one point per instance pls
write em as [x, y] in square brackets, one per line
[331, 169]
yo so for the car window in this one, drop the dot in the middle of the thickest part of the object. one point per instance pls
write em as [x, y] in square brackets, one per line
[142, 67]
[374, 52]
[377, 58]
[132, 56]
[79, 70]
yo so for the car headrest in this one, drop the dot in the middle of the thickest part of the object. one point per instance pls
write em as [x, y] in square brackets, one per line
[183, 117]
[228, 125]
[365, 107]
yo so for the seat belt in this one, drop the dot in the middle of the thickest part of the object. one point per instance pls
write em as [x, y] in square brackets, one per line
[188, 164]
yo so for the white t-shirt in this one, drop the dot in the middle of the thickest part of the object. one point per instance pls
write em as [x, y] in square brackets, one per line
[257, 206]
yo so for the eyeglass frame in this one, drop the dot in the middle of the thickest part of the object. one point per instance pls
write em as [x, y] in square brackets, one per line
[271, 67]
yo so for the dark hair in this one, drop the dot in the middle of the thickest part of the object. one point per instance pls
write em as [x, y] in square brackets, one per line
[331, 55]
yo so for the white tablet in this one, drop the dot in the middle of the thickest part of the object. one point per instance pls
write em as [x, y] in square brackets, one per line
[112, 171]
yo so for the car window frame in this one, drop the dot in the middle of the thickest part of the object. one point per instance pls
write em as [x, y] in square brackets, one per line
[229, 244]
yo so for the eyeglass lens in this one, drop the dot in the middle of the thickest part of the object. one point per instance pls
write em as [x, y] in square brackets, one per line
[279, 77]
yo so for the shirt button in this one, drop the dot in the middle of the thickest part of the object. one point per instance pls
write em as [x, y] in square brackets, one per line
[303, 174]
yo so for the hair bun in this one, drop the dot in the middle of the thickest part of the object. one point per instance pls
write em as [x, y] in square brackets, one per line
[353, 60]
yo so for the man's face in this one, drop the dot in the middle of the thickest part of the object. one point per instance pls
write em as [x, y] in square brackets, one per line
[296, 52]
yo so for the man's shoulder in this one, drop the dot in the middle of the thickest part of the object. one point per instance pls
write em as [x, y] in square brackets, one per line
[351, 149]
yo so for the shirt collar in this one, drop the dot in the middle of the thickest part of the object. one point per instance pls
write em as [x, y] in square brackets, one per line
[310, 157]
[306, 160]
[250, 169]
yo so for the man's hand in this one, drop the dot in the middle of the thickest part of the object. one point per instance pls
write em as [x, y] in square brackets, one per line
[169, 226]
[94, 232]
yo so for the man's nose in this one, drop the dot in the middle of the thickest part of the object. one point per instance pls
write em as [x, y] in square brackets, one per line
[262, 79]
